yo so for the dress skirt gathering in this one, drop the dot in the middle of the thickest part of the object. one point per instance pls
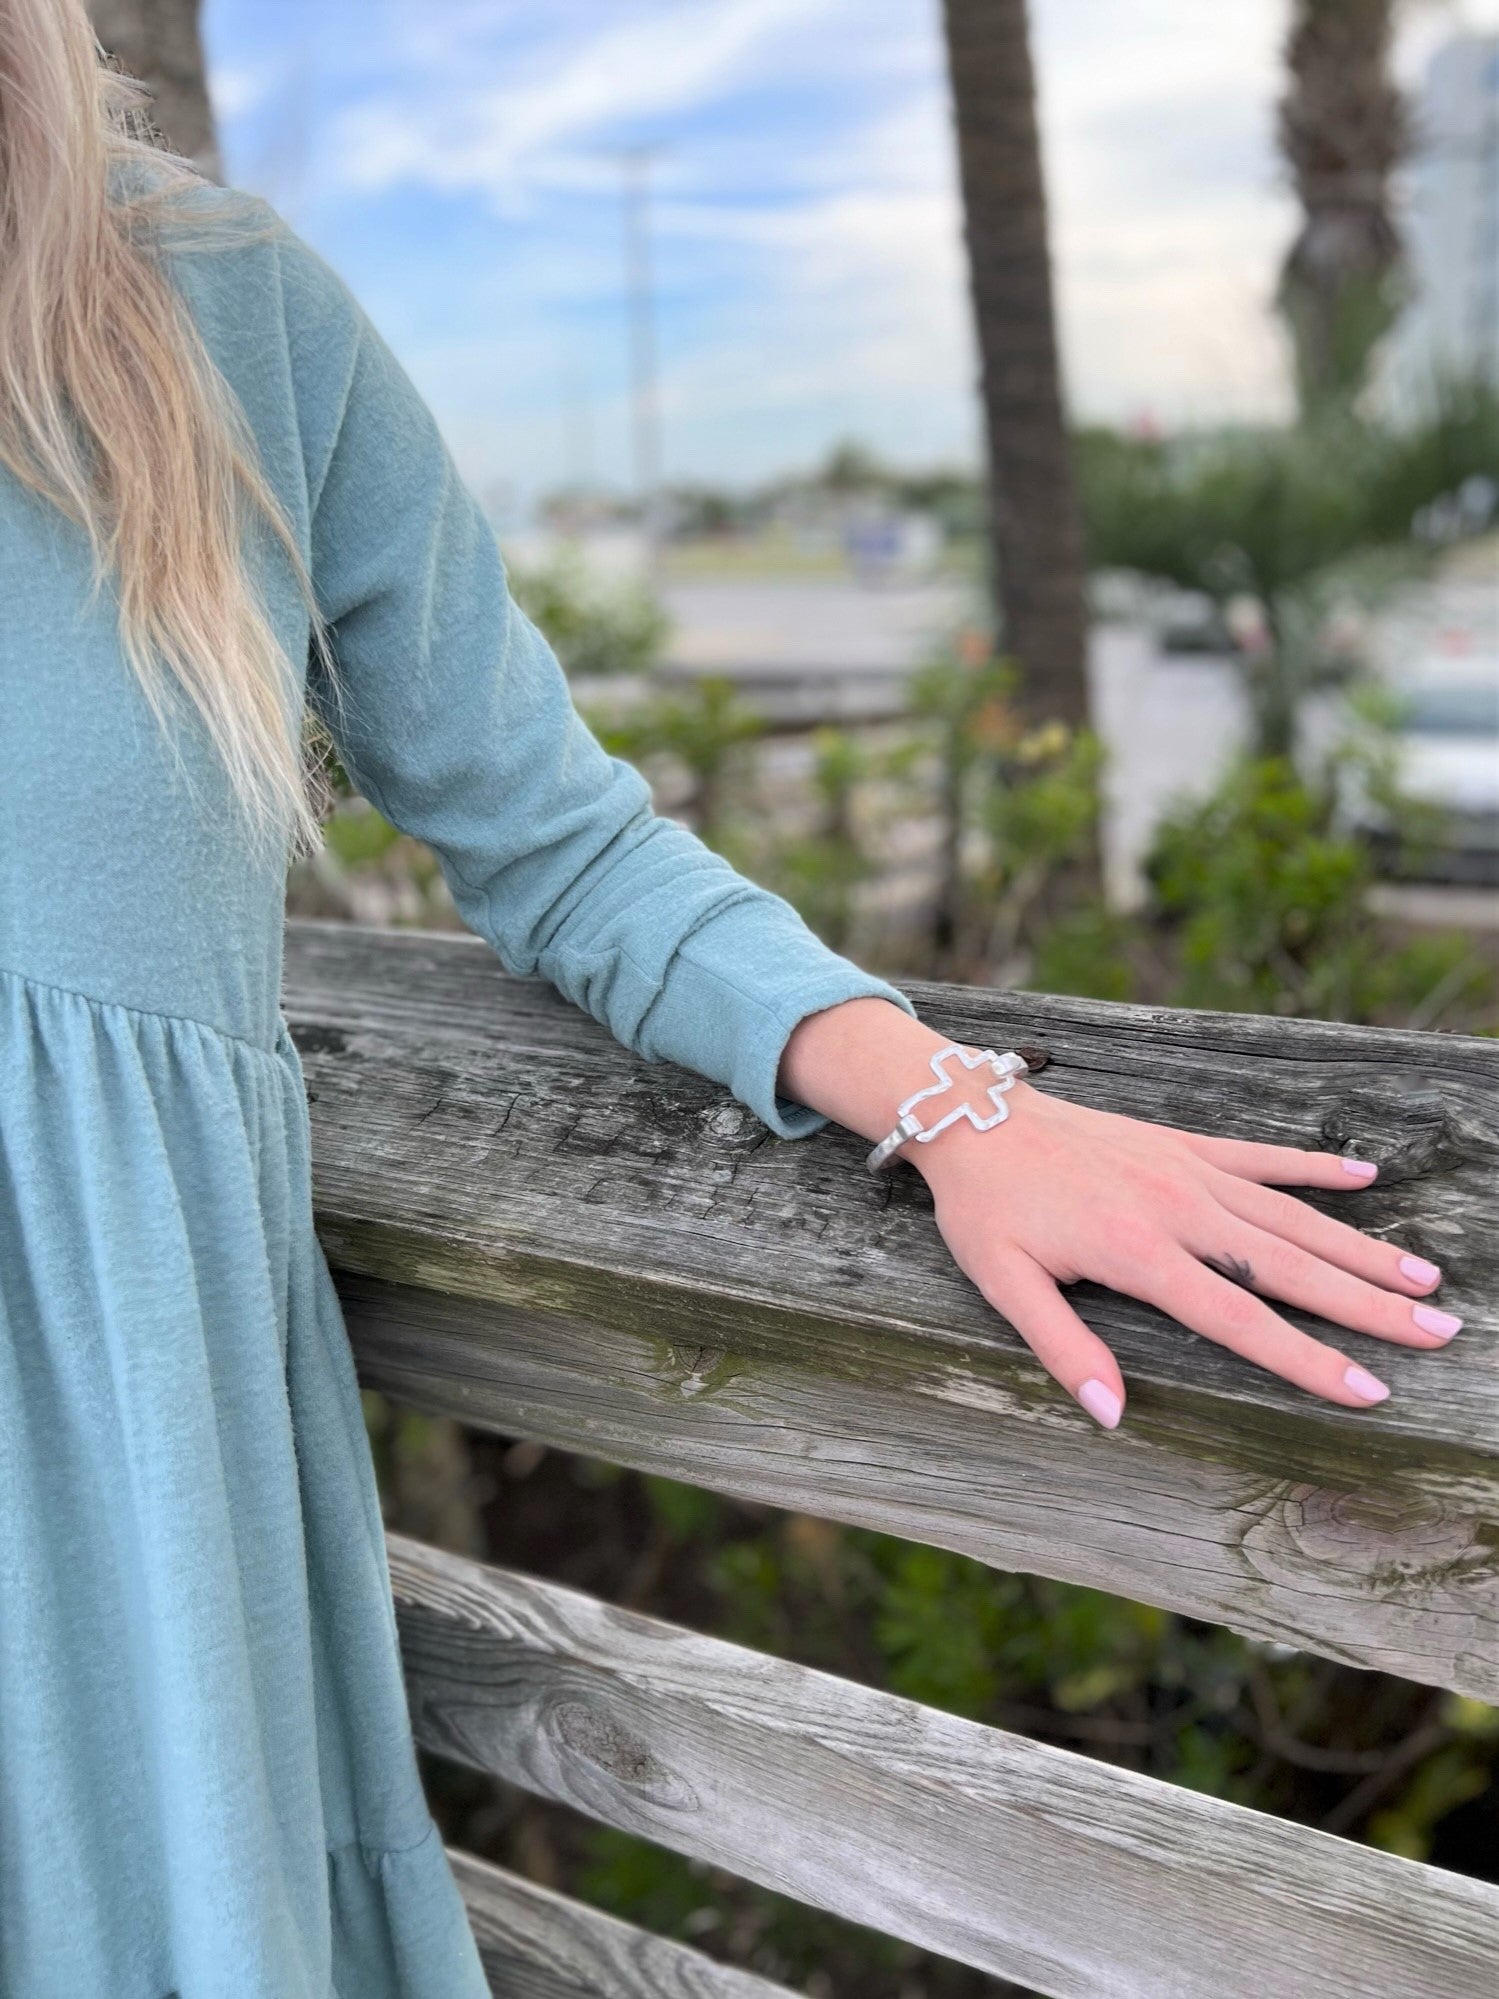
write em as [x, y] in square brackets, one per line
[209, 1784]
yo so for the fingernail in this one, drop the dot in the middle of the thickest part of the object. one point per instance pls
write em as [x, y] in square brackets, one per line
[1430, 1320]
[1361, 1169]
[1419, 1271]
[1364, 1384]
[1101, 1403]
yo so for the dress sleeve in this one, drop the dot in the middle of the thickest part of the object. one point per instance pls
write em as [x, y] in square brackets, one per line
[455, 720]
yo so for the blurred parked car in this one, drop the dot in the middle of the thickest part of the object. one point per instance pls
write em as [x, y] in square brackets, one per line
[1447, 741]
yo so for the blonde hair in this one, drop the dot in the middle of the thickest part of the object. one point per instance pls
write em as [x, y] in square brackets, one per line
[112, 408]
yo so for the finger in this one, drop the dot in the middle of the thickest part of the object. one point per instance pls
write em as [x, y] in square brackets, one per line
[1286, 1165]
[1336, 1242]
[1028, 1297]
[1233, 1317]
[1273, 1267]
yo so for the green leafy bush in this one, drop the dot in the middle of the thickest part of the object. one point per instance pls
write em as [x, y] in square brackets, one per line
[593, 627]
[705, 728]
[1267, 902]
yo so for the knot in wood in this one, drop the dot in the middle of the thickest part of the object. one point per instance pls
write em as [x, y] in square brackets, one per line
[1409, 1130]
[595, 1737]
[727, 1121]
[696, 1367]
[1385, 1539]
[1375, 1514]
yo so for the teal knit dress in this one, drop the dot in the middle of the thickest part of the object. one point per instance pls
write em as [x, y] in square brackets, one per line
[208, 1786]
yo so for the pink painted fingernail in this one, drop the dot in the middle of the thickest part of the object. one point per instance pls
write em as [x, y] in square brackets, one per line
[1361, 1169]
[1430, 1320]
[1101, 1403]
[1419, 1271]
[1364, 1385]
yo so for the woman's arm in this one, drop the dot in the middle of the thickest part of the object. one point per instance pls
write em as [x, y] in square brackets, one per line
[454, 718]
[1189, 1223]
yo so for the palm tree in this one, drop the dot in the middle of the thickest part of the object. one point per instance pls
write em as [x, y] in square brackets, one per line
[1342, 130]
[159, 42]
[1037, 543]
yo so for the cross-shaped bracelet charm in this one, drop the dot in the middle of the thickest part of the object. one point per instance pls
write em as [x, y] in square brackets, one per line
[1005, 1068]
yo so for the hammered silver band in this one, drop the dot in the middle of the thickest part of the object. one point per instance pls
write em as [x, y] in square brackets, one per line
[1006, 1068]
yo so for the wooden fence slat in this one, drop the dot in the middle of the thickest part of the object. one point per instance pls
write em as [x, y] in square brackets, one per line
[536, 1944]
[1359, 1577]
[535, 1231]
[1068, 1875]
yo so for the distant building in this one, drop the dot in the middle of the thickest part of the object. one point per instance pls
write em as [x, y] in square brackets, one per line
[1451, 225]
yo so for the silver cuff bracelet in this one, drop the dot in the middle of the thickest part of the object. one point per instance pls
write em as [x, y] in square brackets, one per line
[1006, 1068]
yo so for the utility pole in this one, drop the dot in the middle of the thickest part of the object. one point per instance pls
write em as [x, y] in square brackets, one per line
[645, 399]
[577, 429]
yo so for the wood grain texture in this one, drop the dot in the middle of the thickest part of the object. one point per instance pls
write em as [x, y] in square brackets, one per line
[538, 1232]
[1066, 1874]
[539, 1945]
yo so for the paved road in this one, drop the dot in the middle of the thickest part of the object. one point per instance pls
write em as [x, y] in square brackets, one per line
[842, 649]
[828, 649]
[785, 630]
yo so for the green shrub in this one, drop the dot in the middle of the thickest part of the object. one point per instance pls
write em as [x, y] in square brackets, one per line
[1266, 901]
[594, 628]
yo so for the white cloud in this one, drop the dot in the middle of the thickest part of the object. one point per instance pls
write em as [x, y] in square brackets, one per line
[484, 134]
[831, 289]
[237, 89]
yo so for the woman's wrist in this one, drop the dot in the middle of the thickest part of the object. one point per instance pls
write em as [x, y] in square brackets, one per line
[857, 1062]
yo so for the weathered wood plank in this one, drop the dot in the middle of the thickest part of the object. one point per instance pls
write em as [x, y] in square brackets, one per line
[1368, 1578]
[568, 1243]
[536, 1944]
[1063, 1873]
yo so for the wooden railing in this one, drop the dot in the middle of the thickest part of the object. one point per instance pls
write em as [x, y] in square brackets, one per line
[539, 1234]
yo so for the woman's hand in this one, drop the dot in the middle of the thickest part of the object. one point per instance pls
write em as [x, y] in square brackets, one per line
[1191, 1224]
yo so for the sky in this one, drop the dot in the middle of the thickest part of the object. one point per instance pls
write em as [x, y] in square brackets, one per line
[459, 162]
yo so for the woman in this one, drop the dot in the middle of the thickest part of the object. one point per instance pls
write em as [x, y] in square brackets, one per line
[221, 500]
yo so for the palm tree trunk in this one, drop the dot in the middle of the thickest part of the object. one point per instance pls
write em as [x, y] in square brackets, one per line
[159, 42]
[1342, 131]
[1036, 531]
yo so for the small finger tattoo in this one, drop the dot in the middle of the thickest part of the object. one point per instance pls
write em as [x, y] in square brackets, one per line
[1235, 1268]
